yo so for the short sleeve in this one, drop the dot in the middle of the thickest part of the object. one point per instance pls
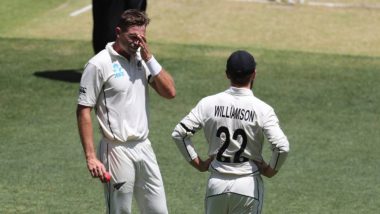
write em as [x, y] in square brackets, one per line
[90, 85]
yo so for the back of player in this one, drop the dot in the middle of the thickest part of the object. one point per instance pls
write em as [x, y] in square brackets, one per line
[233, 126]
[235, 123]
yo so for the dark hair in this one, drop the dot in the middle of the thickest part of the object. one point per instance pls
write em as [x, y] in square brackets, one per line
[133, 17]
[238, 80]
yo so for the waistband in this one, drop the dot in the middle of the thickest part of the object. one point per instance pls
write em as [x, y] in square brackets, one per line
[128, 142]
[238, 169]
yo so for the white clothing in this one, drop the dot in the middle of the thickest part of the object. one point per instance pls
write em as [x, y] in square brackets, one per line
[223, 196]
[135, 172]
[235, 123]
[117, 88]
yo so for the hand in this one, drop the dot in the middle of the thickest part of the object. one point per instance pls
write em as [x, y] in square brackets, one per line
[97, 169]
[144, 49]
[201, 165]
[265, 169]
[268, 172]
[261, 165]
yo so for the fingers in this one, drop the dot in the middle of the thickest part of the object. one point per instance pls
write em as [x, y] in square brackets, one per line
[269, 172]
[141, 38]
[206, 164]
[96, 169]
[142, 42]
[260, 164]
[107, 177]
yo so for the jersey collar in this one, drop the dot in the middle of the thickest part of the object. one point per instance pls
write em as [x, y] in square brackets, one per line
[239, 91]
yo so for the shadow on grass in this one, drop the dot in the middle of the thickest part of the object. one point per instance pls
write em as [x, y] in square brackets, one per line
[69, 75]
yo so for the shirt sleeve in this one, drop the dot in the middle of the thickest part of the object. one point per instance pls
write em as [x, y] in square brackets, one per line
[277, 139]
[183, 132]
[90, 85]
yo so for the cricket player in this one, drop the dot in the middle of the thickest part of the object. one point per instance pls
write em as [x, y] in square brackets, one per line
[235, 123]
[115, 83]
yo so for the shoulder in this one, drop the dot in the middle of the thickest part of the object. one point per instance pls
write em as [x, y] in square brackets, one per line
[211, 99]
[101, 64]
[261, 107]
[207, 104]
[101, 59]
[260, 102]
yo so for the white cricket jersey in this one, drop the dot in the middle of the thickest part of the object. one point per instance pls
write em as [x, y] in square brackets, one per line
[235, 123]
[117, 88]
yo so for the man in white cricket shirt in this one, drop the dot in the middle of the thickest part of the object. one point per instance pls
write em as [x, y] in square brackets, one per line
[115, 83]
[235, 123]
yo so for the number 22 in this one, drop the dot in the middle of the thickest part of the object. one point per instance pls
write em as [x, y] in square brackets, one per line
[237, 156]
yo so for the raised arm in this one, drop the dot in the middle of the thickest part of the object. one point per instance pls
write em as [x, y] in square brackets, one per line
[163, 82]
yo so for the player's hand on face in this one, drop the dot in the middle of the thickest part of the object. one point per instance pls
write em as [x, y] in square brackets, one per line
[144, 49]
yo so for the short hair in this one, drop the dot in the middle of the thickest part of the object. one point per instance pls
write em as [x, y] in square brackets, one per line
[240, 80]
[240, 66]
[133, 17]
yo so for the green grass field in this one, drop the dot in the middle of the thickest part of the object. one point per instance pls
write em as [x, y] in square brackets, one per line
[318, 67]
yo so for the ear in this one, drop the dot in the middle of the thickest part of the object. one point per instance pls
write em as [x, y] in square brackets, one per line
[254, 74]
[117, 31]
[227, 75]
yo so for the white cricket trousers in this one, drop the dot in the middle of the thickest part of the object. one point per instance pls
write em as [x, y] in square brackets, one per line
[134, 172]
[233, 194]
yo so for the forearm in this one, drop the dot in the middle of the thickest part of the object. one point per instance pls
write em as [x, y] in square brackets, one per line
[184, 144]
[183, 141]
[280, 150]
[164, 84]
[277, 139]
[95, 167]
[86, 133]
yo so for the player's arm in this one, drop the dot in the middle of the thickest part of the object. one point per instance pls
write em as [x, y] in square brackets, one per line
[182, 134]
[95, 167]
[201, 165]
[265, 169]
[163, 82]
[185, 146]
[279, 144]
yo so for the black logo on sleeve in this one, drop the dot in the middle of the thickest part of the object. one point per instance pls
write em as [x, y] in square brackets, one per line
[82, 90]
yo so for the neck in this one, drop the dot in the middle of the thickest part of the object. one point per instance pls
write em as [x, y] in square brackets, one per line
[248, 86]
